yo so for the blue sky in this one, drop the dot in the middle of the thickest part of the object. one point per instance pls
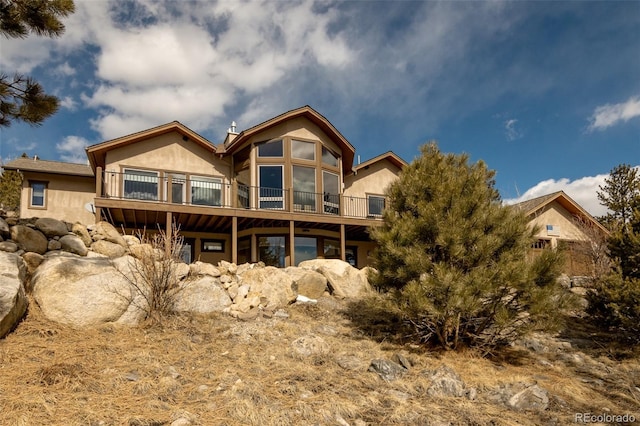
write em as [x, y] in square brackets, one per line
[546, 93]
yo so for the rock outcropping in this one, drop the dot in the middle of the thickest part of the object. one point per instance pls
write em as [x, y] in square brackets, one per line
[84, 276]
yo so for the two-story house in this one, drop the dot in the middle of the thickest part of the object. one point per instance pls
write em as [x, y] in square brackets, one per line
[283, 191]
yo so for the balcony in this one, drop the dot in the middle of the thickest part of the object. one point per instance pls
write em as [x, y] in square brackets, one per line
[147, 186]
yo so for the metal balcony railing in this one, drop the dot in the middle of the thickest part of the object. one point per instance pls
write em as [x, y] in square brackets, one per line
[213, 192]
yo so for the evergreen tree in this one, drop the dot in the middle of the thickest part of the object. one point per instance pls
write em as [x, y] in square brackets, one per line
[456, 258]
[10, 187]
[621, 194]
[22, 98]
[614, 302]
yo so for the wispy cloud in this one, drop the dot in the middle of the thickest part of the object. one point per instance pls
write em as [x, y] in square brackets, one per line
[71, 149]
[584, 191]
[68, 103]
[511, 131]
[609, 115]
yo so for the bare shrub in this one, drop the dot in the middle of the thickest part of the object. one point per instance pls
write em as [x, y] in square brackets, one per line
[153, 276]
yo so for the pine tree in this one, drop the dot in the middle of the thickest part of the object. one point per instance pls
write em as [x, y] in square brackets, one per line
[10, 186]
[456, 258]
[22, 98]
[614, 302]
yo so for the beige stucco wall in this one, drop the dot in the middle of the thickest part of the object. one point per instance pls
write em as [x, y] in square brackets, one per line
[167, 152]
[556, 215]
[65, 197]
[371, 180]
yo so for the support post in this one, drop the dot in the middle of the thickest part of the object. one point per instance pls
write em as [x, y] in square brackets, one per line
[292, 244]
[254, 248]
[234, 240]
[99, 193]
[343, 243]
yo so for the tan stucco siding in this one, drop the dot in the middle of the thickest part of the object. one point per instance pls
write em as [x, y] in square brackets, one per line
[372, 180]
[168, 152]
[563, 222]
[65, 197]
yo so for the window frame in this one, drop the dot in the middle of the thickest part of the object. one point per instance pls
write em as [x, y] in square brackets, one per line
[267, 198]
[127, 171]
[45, 187]
[265, 143]
[312, 144]
[214, 180]
[333, 155]
[203, 243]
[371, 197]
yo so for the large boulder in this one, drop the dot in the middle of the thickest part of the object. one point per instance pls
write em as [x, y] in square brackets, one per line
[32, 261]
[87, 291]
[307, 283]
[108, 248]
[343, 279]
[8, 246]
[81, 231]
[73, 244]
[29, 239]
[106, 231]
[272, 283]
[13, 301]
[203, 268]
[202, 295]
[51, 227]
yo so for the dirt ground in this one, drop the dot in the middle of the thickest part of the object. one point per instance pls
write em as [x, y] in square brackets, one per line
[216, 370]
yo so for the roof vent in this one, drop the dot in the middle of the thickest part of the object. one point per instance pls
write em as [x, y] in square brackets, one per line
[232, 129]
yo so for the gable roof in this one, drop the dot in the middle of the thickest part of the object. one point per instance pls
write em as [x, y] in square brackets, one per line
[97, 152]
[389, 155]
[532, 206]
[46, 166]
[310, 114]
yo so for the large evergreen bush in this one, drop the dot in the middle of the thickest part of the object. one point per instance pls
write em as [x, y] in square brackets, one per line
[456, 257]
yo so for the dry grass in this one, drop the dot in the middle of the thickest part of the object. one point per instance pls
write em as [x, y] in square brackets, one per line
[215, 370]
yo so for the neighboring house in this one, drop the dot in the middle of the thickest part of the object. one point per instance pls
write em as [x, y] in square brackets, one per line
[55, 189]
[563, 224]
[280, 192]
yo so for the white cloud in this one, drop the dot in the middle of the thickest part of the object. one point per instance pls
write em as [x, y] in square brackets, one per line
[68, 103]
[583, 191]
[192, 66]
[609, 115]
[65, 69]
[511, 131]
[71, 149]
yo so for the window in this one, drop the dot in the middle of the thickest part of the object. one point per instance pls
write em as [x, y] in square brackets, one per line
[271, 250]
[178, 188]
[331, 195]
[270, 149]
[303, 150]
[304, 189]
[351, 254]
[213, 245]
[331, 249]
[271, 184]
[306, 249]
[140, 185]
[541, 244]
[206, 191]
[375, 205]
[38, 193]
[186, 250]
[329, 157]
